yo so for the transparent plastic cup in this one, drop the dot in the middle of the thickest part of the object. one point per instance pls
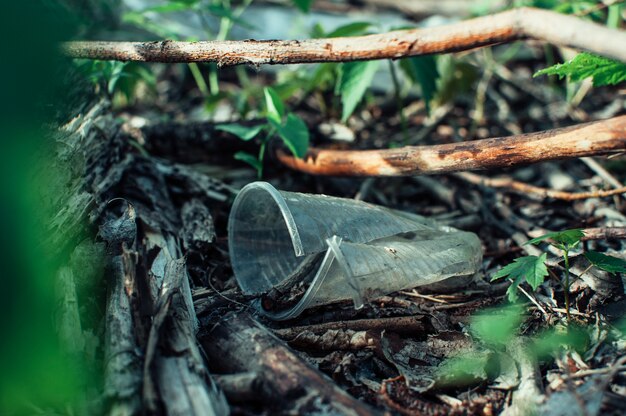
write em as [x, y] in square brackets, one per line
[344, 249]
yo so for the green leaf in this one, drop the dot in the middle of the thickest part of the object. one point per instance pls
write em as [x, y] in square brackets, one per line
[243, 132]
[303, 5]
[355, 78]
[607, 263]
[497, 326]
[295, 134]
[568, 238]
[274, 105]
[351, 29]
[249, 159]
[220, 10]
[584, 65]
[422, 70]
[530, 268]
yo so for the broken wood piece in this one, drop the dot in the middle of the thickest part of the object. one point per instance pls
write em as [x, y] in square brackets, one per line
[122, 372]
[595, 138]
[508, 26]
[175, 376]
[536, 191]
[239, 344]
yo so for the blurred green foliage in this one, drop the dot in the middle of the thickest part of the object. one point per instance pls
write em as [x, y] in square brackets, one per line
[35, 374]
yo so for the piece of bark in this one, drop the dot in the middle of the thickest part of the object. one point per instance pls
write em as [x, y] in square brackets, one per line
[595, 138]
[122, 371]
[175, 377]
[198, 230]
[508, 26]
[239, 344]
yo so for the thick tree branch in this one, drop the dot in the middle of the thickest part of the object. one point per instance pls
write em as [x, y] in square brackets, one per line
[596, 138]
[508, 26]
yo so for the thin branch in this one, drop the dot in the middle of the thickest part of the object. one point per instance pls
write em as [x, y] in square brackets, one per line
[609, 233]
[596, 138]
[529, 190]
[508, 26]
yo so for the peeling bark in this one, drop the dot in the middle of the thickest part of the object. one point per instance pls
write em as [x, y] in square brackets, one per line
[596, 138]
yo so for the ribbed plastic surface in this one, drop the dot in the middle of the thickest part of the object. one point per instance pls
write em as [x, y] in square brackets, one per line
[370, 250]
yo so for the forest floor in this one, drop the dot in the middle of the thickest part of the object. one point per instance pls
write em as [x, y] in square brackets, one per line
[179, 176]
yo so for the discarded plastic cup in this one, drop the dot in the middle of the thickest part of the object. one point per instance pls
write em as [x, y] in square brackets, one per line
[309, 250]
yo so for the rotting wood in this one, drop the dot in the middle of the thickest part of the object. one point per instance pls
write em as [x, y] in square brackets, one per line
[239, 344]
[535, 191]
[595, 138]
[508, 26]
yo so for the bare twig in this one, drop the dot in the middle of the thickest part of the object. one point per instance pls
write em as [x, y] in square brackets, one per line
[601, 137]
[508, 26]
[608, 233]
[411, 324]
[531, 190]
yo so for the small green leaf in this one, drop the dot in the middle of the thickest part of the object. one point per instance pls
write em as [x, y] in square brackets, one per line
[351, 29]
[243, 132]
[295, 134]
[497, 326]
[530, 268]
[584, 65]
[249, 159]
[568, 238]
[274, 105]
[355, 78]
[607, 263]
[303, 5]
[422, 70]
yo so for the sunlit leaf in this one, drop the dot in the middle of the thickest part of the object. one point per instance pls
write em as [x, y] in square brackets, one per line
[274, 105]
[243, 132]
[295, 134]
[604, 71]
[532, 269]
[607, 263]
[356, 77]
[569, 238]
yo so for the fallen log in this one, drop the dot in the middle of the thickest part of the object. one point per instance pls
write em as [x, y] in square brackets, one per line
[239, 344]
[508, 26]
[595, 138]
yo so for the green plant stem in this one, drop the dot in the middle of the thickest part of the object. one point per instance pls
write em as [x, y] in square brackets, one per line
[566, 291]
[261, 156]
[399, 103]
[197, 76]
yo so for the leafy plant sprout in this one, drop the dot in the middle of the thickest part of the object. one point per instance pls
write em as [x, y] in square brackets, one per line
[533, 269]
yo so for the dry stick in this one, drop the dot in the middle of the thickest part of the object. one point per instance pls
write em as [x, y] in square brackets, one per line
[609, 233]
[530, 190]
[508, 26]
[601, 137]
[413, 324]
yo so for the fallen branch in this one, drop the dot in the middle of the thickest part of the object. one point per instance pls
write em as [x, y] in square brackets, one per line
[596, 138]
[530, 190]
[239, 344]
[410, 324]
[508, 26]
